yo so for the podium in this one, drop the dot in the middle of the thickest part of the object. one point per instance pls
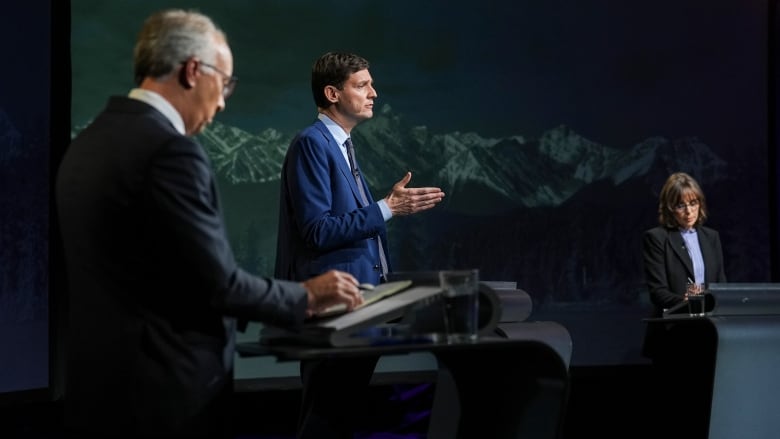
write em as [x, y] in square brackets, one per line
[735, 350]
[511, 383]
[497, 388]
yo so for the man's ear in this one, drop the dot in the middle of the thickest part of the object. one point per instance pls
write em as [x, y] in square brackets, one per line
[184, 74]
[331, 94]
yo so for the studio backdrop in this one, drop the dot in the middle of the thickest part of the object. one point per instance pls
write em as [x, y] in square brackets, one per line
[550, 125]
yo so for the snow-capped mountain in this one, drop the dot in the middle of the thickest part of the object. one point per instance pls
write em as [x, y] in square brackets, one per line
[242, 157]
[480, 175]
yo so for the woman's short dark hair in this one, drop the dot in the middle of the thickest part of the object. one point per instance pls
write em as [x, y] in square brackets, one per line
[677, 187]
[333, 68]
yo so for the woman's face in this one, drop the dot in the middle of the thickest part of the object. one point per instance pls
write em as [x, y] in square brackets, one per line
[686, 212]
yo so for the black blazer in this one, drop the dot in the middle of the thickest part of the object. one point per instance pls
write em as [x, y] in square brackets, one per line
[667, 268]
[152, 277]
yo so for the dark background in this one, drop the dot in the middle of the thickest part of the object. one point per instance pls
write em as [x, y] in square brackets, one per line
[550, 126]
[26, 94]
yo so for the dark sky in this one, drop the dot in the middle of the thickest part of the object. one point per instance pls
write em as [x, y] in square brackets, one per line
[616, 72]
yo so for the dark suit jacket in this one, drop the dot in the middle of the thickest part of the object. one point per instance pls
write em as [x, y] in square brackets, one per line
[667, 269]
[323, 224]
[152, 277]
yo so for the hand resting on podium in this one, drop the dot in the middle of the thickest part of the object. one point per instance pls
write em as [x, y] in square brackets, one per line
[371, 294]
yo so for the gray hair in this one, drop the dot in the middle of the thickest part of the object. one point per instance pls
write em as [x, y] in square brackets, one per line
[171, 37]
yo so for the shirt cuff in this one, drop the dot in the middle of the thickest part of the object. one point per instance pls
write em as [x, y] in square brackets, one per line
[386, 213]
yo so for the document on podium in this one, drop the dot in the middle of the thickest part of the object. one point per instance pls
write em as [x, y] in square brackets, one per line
[349, 328]
[373, 295]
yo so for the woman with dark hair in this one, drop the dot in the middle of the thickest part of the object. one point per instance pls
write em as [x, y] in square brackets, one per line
[680, 251]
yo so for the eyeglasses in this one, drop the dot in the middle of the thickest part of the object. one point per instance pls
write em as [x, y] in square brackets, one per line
[228, 82]
[693, 205]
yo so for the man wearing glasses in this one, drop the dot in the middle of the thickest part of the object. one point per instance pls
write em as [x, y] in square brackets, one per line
[154, 289]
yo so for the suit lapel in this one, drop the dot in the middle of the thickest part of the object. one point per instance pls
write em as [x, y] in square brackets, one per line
[334, 149]
[678, 247]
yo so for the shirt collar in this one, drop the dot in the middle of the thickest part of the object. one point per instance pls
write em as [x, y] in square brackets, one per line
[335, 130]
[160, 104]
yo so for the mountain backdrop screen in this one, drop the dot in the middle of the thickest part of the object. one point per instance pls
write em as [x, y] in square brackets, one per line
[550, 125]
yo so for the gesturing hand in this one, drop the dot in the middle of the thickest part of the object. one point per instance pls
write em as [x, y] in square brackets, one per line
[406, 201]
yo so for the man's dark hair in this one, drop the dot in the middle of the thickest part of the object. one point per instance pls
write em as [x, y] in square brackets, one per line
[333, 68]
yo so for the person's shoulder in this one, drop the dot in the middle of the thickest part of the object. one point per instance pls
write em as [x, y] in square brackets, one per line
[657, 232]
[127, 104]
[708, 231]
[140, 116]
[316, 134]
[316, 128]
[137, 118]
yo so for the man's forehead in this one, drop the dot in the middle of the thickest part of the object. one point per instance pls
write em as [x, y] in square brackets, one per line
[224, 54]
[360, 76]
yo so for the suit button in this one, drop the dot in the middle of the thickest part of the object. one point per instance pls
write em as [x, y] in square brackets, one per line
[376, 267]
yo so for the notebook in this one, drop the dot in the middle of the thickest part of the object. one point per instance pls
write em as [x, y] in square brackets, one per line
[371, 294]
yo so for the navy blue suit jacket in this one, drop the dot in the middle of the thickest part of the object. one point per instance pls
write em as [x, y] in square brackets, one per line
[323, 223]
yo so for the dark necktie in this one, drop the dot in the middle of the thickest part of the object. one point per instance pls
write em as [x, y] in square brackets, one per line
[359, 181]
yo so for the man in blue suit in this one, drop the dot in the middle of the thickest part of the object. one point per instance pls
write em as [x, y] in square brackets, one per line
[329, 220]
[324, 222]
